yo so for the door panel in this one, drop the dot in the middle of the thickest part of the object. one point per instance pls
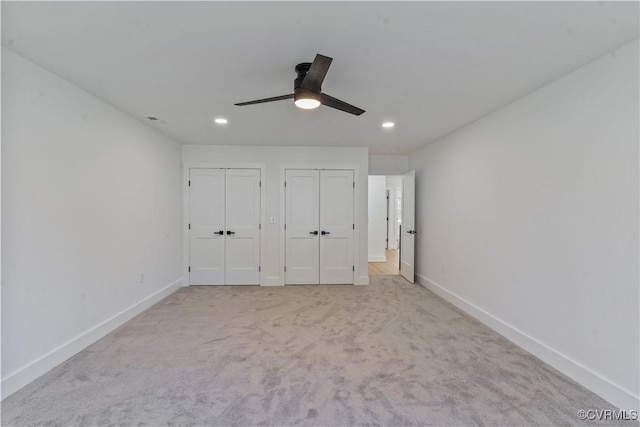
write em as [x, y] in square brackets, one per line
[301, 220]
[336, 222]
[206, 211]
[407, 240]
[242, 227]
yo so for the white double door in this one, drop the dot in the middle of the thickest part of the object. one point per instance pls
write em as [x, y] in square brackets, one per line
[319, 226]
[224, 226]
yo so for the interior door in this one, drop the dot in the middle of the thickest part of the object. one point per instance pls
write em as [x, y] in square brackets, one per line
[407, 240]
[206, 226]
[302, 258]
[242, 254]
[336, 226]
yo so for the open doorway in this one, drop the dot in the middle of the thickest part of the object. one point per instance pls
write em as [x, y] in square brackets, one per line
[385, 213]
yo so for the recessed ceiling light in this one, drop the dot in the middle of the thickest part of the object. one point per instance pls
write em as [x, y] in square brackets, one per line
[393, 150]
[221, 121]
[388, 124]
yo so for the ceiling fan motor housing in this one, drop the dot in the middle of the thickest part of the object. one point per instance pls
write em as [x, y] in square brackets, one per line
[301, 92]
[301, 70]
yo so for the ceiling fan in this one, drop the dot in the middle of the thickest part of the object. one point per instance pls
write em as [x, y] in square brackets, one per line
[307, 88]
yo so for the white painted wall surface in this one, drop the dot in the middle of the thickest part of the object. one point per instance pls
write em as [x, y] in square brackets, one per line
[394, 185]
[528, 219]
[377, 218]
[91, 198]
[388, 164]
[275, 160]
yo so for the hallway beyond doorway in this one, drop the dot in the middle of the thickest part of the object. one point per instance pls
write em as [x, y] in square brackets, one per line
[390, 267]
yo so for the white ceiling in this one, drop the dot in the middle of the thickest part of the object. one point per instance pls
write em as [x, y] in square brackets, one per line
[432, 67]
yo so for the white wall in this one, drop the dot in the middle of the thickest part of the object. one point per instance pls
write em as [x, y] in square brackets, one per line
[388, 164]
[394, 185]
[377, 218]
[532, 214]
[275, 160]
[90, 199]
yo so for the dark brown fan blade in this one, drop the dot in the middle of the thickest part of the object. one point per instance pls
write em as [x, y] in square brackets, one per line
[260, 101]
[332, 102]
[315, 76]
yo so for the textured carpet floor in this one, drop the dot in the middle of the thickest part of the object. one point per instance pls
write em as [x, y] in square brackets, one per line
[390, 353]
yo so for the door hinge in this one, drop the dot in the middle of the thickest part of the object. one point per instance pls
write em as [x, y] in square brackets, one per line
[189, 269]
[259, 226]
[259, 183]
[285, 226]
[353, 226]
[189, 183]
[285, 268]
[285, 184]
[354, 184]
[259, 269]
[353, 268]
[189, 226]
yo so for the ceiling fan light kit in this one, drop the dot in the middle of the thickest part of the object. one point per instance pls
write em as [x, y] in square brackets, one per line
[307, 88]
[306, 99]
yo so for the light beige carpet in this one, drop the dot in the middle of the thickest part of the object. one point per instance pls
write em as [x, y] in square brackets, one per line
[390, 353]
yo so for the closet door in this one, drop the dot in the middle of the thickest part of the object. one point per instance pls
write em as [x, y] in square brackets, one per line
[336, 226]
[206, 238]
[302, 256]
[242, 227]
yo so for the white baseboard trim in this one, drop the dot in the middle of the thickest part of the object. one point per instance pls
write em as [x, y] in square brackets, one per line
[272, 281]
[362, 280]
[277, 281]
[33, 370]
[613, 393]
[382, 258]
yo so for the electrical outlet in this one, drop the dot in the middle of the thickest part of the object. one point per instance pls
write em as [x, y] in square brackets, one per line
[141, 277]
[272, 220]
